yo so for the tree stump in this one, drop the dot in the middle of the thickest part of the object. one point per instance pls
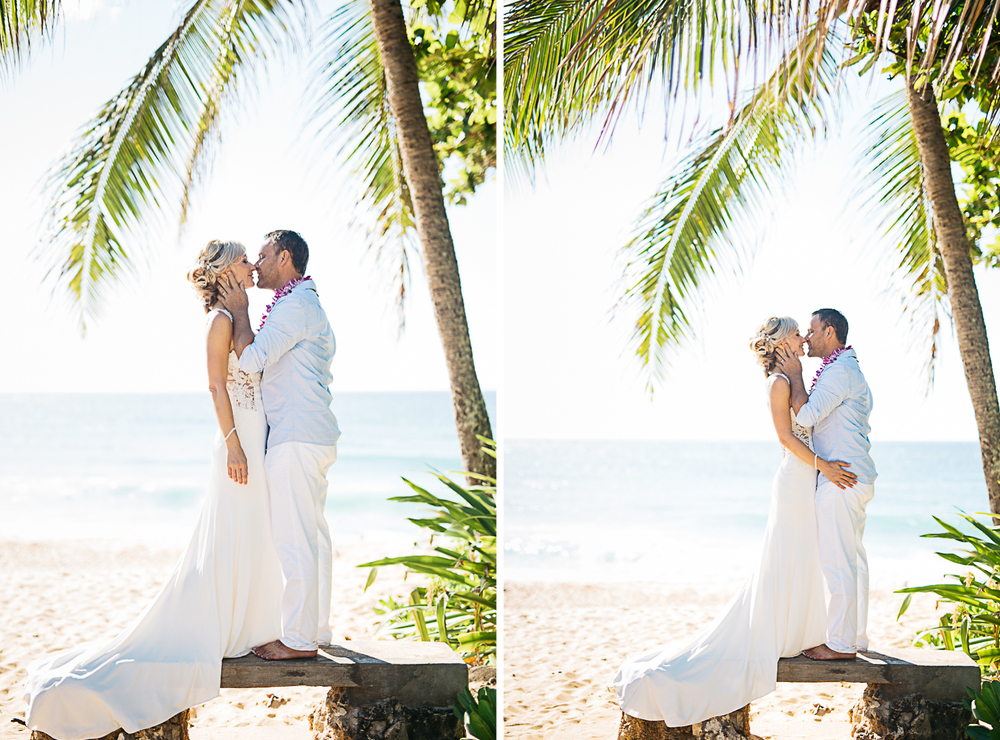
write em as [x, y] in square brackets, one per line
[354, 714]
[887, 713]
[175, 728]
[732, 726]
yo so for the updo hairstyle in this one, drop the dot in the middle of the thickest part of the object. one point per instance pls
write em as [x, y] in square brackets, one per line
[212, 261]
[768, 336]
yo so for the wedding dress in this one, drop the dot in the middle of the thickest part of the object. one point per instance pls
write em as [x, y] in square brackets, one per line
[779, 612]
[222, 599]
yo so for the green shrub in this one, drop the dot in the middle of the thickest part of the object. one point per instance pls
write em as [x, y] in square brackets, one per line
[458, 606]
[985, 707]
[973, 622]
[480, 717]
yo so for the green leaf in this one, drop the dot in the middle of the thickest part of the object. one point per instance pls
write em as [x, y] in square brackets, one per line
[699, 220]
[418, 617]
[144, 150]
[904, 607]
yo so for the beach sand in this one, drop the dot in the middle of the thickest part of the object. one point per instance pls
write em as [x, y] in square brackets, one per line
[55, 595]
[563, 644]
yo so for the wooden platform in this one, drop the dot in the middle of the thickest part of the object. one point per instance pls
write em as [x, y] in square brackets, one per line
[937, 674]
[416, 673]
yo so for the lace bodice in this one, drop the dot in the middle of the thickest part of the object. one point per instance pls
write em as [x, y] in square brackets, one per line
[244, 388]
[799, 431]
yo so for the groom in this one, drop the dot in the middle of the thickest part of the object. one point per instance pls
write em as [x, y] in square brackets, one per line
[293, 348]
[837, 407]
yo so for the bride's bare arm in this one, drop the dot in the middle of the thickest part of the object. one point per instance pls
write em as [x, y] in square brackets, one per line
[779, 399]
[220, 337]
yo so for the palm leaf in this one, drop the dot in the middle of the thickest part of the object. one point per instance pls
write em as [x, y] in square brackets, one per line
[142, 153]
[569, 61]
[720, 189]
[21, 21]
[353, 115]
[902, 211]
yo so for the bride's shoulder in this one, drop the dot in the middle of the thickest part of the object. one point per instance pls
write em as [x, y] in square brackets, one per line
[778, 385]
[219, 322]
[219, 314]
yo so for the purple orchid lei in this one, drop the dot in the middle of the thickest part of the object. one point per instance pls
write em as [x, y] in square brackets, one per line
[827, 361]
[280, 294]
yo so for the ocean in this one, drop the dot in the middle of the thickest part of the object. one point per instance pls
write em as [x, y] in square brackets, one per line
[134, 466]
[695, 512]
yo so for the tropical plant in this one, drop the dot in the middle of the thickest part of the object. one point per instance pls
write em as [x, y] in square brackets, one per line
[572, 62]
[973, 620]
[151, 144]
[458, 603]
[479, 713]
[21, 21]
[985, 707]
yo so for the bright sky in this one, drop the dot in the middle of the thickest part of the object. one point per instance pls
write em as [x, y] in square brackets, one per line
[567, 371]
[152, 335]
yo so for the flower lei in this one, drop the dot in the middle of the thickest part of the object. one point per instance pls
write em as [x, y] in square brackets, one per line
[827, 361]
[279, 294]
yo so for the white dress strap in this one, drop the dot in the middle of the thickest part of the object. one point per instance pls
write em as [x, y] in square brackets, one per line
[781, 375]
[221, 310]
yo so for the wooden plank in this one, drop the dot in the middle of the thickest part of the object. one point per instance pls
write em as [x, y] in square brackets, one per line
[417, 673]
[931, 672]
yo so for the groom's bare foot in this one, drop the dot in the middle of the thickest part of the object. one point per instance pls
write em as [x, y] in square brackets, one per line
[277, 650]
[822, 652]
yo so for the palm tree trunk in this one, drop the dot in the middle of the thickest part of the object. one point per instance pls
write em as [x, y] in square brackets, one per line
[966, 308]
[420, 168]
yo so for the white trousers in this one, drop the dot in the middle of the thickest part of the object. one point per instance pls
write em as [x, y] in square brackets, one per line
[296, 478]
[840, 516]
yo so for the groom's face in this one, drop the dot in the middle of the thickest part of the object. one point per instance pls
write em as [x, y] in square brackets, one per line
[819, 338]
[267, 267]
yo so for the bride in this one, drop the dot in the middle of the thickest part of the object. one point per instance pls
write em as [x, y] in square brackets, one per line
[779, 611]
[224, 596]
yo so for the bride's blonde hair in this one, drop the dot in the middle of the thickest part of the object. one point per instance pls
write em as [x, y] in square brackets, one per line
[213, 260]
[768, 336]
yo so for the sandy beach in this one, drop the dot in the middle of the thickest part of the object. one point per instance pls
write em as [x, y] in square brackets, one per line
[564, 642]
[54, 595]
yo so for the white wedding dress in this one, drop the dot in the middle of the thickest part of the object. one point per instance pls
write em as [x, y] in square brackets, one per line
[222, 599]
[779, 612]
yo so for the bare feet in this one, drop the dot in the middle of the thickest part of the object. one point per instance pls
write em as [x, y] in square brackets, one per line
[822, 652]
[277, 650]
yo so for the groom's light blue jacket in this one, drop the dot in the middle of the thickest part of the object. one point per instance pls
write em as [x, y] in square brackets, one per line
[838, 411]
[294, 350]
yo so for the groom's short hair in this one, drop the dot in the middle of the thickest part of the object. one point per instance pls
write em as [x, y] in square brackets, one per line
[833, 317]
[294, 244]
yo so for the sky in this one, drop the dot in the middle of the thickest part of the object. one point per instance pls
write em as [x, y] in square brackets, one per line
[266, 175]
[546, 296]
[568, 372]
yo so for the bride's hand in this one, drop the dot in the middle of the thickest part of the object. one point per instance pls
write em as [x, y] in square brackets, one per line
[836, 472]
[236, 461]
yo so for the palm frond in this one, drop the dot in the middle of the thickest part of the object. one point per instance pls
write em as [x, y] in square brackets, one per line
[142, 153]
[355, 120]
[690, 229]
[567, 62]
[21, 23]
[902, 211]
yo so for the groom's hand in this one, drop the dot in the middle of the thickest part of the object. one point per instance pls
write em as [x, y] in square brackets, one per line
[788, 363]
[232, 294]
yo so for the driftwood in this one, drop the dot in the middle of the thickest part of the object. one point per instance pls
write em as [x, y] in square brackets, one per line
[912, 693]
[391, 689]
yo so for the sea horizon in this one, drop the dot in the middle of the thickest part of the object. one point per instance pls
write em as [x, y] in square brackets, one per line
[134, 466]
[694, 512]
